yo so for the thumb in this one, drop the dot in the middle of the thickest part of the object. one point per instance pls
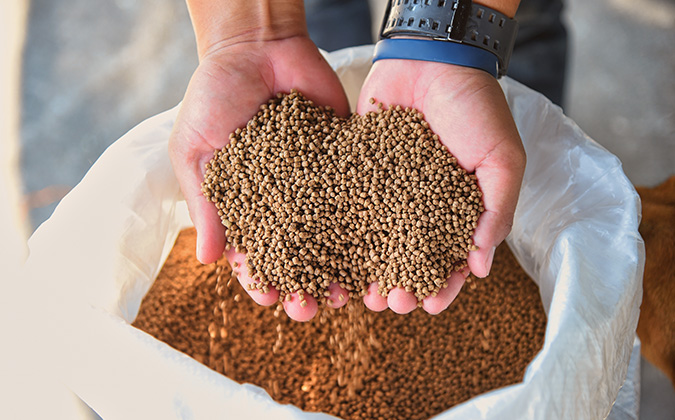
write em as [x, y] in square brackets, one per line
[189, 170]
[477, 127]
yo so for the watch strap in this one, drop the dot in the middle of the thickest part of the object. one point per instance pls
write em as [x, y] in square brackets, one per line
[459, 21]
[438, 52]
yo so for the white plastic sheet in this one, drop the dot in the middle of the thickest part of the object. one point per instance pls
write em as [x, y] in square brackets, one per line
[575, 233]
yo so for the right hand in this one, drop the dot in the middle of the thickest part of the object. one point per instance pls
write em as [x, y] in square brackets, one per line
[226, 90]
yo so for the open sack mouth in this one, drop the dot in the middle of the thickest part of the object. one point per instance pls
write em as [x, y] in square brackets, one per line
[574, 233]
[350, 362]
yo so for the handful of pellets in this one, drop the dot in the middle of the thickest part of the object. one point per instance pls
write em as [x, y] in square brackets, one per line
[314, 199]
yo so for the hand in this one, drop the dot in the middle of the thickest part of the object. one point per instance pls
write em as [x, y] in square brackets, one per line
[226, 90]
[467, 109]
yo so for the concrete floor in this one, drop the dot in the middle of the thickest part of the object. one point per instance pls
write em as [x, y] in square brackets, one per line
[92, 69]
[621, 91]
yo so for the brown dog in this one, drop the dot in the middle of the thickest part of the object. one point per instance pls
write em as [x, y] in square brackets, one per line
[656, 327]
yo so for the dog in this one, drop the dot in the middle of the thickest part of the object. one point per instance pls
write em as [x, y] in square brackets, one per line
[656, 326]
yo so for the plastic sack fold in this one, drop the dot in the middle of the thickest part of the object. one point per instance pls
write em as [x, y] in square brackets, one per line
[575, 233]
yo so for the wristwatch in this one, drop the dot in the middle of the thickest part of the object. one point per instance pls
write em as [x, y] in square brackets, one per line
[454, 21]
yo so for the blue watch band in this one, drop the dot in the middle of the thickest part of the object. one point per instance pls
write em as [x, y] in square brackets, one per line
[437, 51]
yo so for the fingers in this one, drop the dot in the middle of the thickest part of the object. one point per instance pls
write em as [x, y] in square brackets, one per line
[305, 308]
[297, 308]
[302, 312]
[373, 300]
[338, 296]
[480, 261]
[437, 304]
[240, 270]
[402, 302]
[210, 231]
[298, 311]
[499, 178]
[204, 215]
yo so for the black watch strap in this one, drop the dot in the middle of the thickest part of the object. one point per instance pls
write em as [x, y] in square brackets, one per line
[455, 21]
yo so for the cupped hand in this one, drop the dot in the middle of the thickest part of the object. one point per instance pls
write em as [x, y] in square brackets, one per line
[467, 109]
[225, 91]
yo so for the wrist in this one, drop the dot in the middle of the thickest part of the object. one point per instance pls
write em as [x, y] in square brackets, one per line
[508, 7]
[222, 23]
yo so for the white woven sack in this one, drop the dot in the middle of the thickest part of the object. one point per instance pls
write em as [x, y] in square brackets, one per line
[575, 233]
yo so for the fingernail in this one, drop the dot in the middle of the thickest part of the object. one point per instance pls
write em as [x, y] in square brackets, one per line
[488, 261]
[198, 250]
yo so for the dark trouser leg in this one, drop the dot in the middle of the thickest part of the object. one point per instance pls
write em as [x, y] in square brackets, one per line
[335, 24]
[539, 58]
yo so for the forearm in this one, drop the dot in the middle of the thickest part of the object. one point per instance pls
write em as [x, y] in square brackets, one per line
[508, 7]
[219, 23]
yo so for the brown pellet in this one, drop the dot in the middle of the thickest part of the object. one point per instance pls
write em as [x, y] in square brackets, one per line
[390, 366]
[314, 199]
